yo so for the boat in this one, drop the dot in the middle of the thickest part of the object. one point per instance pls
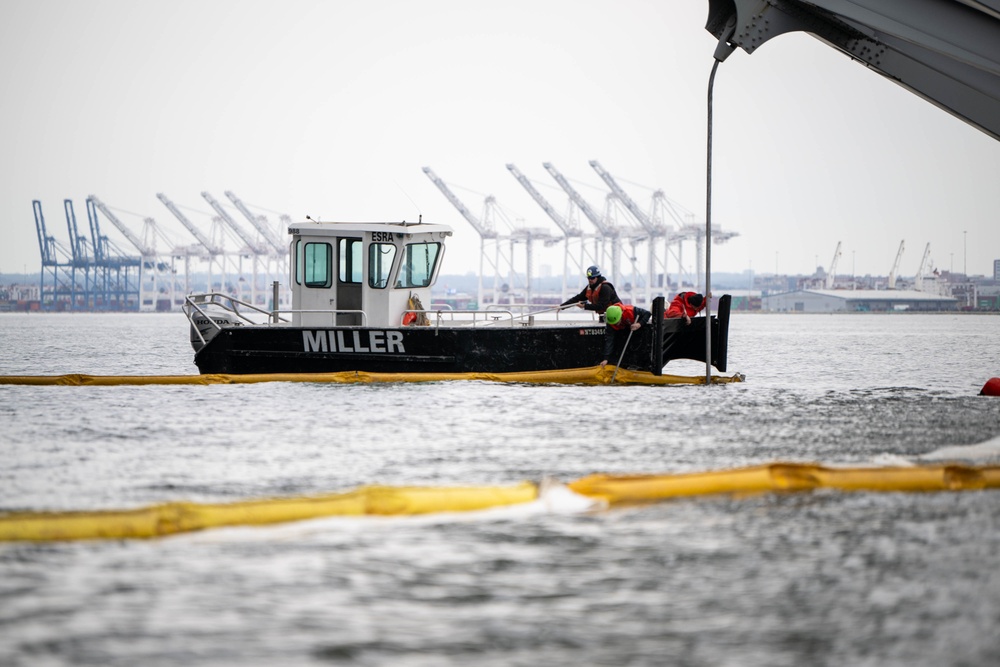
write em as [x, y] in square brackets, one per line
[358, 291]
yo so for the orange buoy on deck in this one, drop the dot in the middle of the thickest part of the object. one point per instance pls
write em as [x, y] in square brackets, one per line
[991, 388]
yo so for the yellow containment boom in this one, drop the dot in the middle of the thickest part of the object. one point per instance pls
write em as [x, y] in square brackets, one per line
[594, 375]
[181, 517]
[787, 477]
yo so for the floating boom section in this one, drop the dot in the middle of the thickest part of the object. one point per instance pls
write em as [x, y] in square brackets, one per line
[485, 229]
[259, 223]
[594, 491]
[945, 51]
[568, 227]
[247, 238]
[202, 239]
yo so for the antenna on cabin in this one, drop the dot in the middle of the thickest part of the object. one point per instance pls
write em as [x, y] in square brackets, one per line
[407, 195]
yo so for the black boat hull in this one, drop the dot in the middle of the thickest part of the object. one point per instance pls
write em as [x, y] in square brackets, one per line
[485, 349]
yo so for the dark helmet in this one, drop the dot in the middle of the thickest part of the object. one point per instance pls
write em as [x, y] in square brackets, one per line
[593, 272]
[695, 300]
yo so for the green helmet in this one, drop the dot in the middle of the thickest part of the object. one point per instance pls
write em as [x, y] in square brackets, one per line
[613, 314]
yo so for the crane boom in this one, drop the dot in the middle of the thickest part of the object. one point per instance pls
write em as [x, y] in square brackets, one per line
[636, 212]
[919, 280]
[486, 230]
[895, 265]
[602, 226]
[46, 243]
[258, 222]
[249, 240]
[77, 241]
[923, 260]
[202, 239]
[568, 227]
[833, 267]
[143, 249]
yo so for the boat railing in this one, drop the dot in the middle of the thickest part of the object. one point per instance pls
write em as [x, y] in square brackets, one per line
[490, 317]
[193, 303]
[226, 302]
[528, 318]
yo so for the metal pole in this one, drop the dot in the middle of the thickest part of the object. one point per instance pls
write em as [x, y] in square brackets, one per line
[275, 306]
[621, 356]
[708, 235]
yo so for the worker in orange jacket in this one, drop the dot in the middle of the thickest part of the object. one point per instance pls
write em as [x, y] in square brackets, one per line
[687, 305]
[621, 317]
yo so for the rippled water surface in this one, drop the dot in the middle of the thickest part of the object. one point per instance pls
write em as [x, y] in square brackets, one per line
[780, 579]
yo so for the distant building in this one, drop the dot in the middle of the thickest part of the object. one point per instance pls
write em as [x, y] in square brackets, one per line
[996, 269]
[857, 301]
[988, 297]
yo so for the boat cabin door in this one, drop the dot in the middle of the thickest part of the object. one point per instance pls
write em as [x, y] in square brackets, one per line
[327, 277]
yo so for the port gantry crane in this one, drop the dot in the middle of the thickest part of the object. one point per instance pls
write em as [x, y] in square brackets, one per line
[81, 258]
[925, 266]
[486, 233]
[570, 229]
[656, 228]
[215, 250]
[486, 228]
[655, 225]
[662, 207]
[831, 274]
[607, 229]
[57, 261]
[252, 247]
[162, 273]
[895, 265]
[280, 246]
[260, 224]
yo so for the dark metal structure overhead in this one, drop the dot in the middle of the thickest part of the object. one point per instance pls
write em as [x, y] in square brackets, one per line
[945, 51]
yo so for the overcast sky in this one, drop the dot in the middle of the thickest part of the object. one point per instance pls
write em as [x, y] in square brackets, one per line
[330, 109]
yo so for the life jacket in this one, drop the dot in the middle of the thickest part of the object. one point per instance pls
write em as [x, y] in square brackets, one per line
[593, 292]
[628, 317]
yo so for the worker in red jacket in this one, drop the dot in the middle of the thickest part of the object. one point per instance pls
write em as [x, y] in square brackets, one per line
[687, 305]
[621, 317]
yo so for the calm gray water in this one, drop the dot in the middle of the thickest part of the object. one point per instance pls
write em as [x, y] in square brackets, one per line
[822, 578]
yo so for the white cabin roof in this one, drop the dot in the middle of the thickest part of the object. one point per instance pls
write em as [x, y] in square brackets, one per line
[310, 227]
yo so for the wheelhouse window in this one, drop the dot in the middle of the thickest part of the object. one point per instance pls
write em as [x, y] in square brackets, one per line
[298, 262]
[350, 260]
[317, 265]
[419, 260]
[380, 256]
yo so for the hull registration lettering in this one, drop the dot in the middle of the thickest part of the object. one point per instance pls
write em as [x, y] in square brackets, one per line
[389, 342]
